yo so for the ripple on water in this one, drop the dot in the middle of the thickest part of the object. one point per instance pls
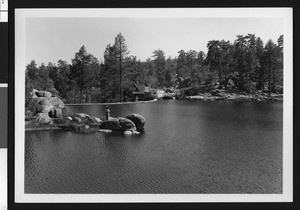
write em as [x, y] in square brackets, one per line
[193, 148]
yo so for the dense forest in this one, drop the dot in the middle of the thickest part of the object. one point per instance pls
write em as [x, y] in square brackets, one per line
[246, 65]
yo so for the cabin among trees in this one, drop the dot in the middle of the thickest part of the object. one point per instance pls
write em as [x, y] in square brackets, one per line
[141, 92]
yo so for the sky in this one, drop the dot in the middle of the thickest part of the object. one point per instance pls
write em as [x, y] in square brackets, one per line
[51, 39]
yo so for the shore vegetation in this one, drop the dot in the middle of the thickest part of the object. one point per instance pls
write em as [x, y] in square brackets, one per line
[246, 66]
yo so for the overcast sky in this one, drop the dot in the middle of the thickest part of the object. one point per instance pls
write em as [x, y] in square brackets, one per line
[51, 39]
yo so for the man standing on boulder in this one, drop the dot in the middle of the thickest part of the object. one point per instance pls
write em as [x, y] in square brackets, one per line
[107, 113]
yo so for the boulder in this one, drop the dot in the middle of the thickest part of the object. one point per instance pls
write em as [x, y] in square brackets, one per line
[80, 127]
[81, 122]
[68, 123]
[55, 102]
[87, 119]
[105, 130]
[77, 119]
[43, 109]
[43, 94]
[126, 124]
[42, 118]
[45, 104]
[51, 113]
[138, 120]
[69, 118]
[98, 120]
[81, 115]
[131, 132]
[95, 121]
[74, 126]
[118, 124]
[33, 95]
[111, 124]
[58, 113]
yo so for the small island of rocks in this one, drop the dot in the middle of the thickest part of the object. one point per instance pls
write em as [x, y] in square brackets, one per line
[48, 112]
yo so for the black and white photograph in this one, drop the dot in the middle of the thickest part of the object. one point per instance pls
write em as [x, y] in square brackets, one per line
[153, 105]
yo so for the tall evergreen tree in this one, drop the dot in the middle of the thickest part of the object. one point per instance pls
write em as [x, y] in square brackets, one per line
[160, 66]
[270, 56]
[121, 53]
[30, 75]
[82, 72]
[109, 77]
[213, 58]
[260, 70]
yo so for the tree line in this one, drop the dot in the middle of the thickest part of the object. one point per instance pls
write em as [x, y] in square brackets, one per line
[246, 65]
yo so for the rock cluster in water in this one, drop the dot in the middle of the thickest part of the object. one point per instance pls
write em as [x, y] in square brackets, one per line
[47, 109]
[118, 124]
[81, 122]
[129, 124]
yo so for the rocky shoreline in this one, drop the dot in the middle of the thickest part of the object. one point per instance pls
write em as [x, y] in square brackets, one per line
[242, 96]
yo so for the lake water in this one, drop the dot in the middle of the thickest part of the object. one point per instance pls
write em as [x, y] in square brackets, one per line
[187, 147]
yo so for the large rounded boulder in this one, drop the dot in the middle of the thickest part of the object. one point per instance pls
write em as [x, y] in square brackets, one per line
[138, 120]
[43, 93]
[111, 124]
[126, 124]
[42, 118]
[45, 104]
[118, 124]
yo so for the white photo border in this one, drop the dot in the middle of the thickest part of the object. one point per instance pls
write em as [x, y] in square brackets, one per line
[20, 26]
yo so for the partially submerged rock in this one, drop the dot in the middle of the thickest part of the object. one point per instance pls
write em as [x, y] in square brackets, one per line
[118, 124]
[111, 124]
[131, 132]
[105, 130]
[81, 122]
[138, 120]
[126, 124]
[86, 119]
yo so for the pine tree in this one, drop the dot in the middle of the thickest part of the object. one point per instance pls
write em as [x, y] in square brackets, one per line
[121, 53]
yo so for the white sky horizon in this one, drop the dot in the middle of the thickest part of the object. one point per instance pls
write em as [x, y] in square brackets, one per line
[51, 39]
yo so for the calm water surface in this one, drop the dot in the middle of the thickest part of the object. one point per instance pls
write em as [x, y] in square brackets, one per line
[187, 147]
